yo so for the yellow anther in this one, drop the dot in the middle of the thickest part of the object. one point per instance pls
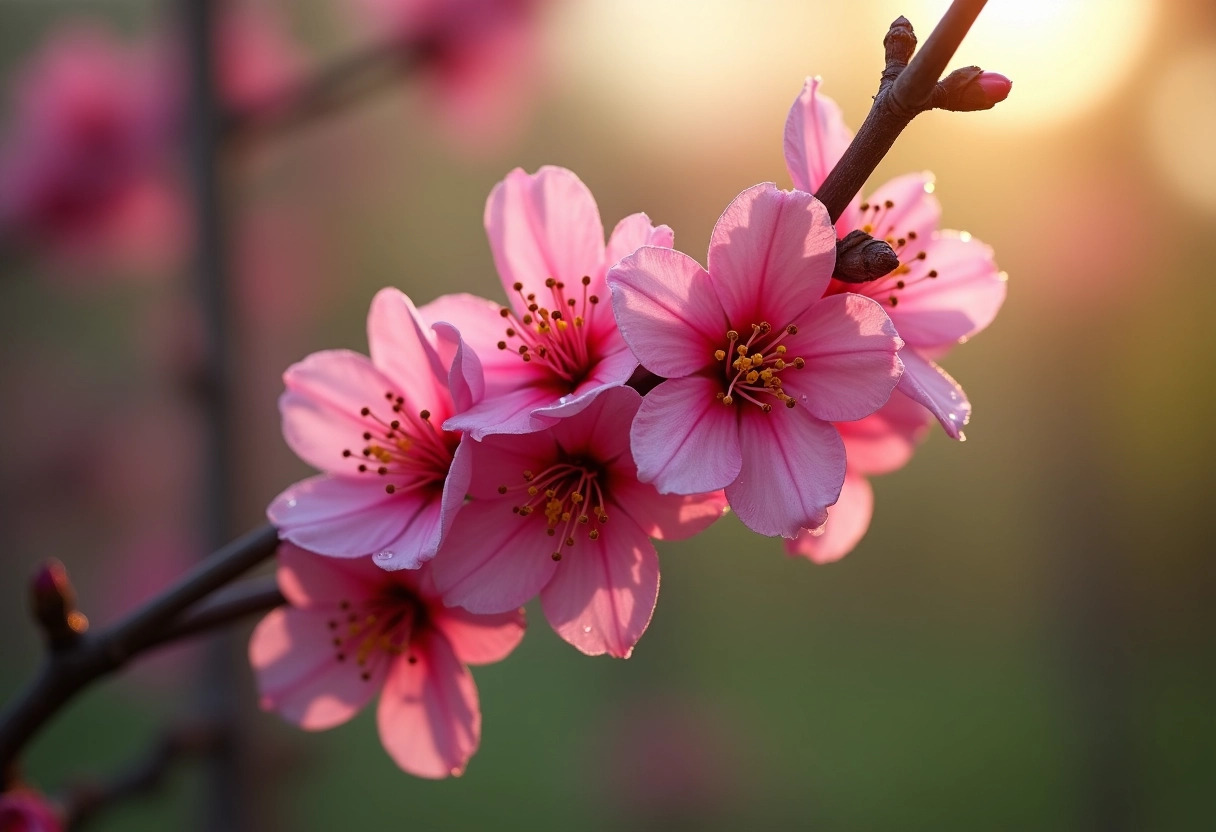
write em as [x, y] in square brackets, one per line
[578, 320]
[741, 350]
[728, 400]
[752, 376]
[562, 326]
[779, 364]
[799, 363]
[594, 534]
[719, 355]
[781, 349]
[731, 335]
[757, 360]
[867, 228]
[532, 491]
[575, 497]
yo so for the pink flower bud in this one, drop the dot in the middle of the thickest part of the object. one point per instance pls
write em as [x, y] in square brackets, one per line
[996, 87]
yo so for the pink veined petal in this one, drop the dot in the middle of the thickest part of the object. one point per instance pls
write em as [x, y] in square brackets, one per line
[665, 516]
[544, 225]
[611, 372]
[429, 716]
[885, 440]
[401, 347]
[343, 517]
[508, 412]
[309, 580]
[481, 327]
[684, 440]
[962, 300]
[602, 430]
[667, 310]
[914, 208]
[603, 593]
[771, 256]
[480, 639]
[501, 460]
[322, 403]
[793, 467]
[929, 385]
[466, 380]
[850, 348]
[633, 232]
[847, 524]
[494, 560]
[815, 137]
[298, 674]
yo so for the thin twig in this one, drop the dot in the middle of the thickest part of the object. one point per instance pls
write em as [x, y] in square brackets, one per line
[904, 92]
[234, 603]
[100, 652]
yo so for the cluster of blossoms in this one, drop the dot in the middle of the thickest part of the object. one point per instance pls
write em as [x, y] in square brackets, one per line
[487, 453]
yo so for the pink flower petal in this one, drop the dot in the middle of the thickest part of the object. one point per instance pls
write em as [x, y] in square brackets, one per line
[884, 441]
[480, 639]
[633, 232]
[929, 385]
[494, 560]
[667, 310]
[299, 676]
[815, 139]
[322, 403]
[847, 524]
[343, 517]
[311, 580]
[481, 327]
[685, 441]
[850, 348]
[793, 467]
[602, 431]
[501, 460]
[612, 371]
[962, 300]
[666, 516]
[509, 412]
[544, 225]
[466, 380]
[771, 254]
[913, 207]
[401, 348]
[429, 716]
[604, 591]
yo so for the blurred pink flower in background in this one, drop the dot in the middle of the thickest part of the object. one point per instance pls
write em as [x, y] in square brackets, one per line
[947, 286]
[539, 522]
[556, 347]
[84, 174]
[878, 444]
[758, 362]
[22, 810]
[353, 630]
[482, 63]
[393, 479]
[256, 59]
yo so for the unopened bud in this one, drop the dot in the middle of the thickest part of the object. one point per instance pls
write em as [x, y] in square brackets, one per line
[53, 600]
[860, 258]
[971, 88]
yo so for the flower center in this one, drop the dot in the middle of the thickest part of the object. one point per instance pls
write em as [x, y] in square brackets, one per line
[377, 629]
[553, 332]
[908, 247]
[569, 496]
[753, 370]
[406, 449]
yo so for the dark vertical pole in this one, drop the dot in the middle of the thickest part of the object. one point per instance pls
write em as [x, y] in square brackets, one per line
[222, 794]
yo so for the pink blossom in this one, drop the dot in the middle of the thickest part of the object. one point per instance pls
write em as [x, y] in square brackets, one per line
[947, 286]
[539, 522]
[353, 630]
[393, 479]
[878, 444]
[82, 174]
[739, 341]
[481, 62]
[556, 347]
[22, 810]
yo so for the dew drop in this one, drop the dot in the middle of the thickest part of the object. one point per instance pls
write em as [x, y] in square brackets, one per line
[586, 628]
[291, 503]
[563, 400]
[385, 554]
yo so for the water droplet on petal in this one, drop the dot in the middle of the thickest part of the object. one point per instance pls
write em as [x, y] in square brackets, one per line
[586, 628]
[291, 503]
[385, 554]
[563, 400]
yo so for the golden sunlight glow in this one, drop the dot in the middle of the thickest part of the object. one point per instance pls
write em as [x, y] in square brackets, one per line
[1065, 56]
[1182, 125]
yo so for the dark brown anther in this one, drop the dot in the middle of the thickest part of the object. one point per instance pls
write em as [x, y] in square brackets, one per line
[53, 601]
[860, 258]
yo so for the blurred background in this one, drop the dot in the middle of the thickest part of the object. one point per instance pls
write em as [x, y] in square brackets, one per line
[1026, 637]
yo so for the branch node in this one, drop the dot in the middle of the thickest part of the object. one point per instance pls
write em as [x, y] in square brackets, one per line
[860, 258]
[53, 603]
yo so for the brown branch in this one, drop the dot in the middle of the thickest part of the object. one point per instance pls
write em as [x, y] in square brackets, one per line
[907, 88]
[67, 671]
[253, 596]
